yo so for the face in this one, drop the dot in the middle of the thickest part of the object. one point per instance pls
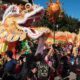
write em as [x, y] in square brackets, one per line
[34, 70]
[5, 56]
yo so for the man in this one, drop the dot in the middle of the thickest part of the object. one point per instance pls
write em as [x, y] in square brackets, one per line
[32, 72]
[43, 72]
[9, 68]
[77, 66]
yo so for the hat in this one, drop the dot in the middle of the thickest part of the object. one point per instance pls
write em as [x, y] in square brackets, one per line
[9, 54]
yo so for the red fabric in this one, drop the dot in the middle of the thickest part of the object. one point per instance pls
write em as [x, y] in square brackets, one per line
[11, 46]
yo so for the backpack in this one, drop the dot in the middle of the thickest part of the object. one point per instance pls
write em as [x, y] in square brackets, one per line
[43, 70]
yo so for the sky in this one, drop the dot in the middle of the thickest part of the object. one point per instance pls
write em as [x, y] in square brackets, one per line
[71, 7]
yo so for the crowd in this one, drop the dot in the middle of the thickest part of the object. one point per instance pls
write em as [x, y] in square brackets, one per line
[58, 62]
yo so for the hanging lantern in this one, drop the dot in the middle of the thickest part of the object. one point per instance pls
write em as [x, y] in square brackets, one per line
[54, 7]
[53, 11]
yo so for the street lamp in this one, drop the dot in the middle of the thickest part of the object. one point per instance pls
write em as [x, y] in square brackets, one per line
[55, 28]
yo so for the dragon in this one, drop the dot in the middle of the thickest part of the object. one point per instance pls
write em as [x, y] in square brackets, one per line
[14, 25]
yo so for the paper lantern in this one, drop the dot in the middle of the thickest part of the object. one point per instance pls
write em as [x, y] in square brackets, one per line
[54, 7]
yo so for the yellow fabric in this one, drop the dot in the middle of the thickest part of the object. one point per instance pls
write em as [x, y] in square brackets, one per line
[3, 47]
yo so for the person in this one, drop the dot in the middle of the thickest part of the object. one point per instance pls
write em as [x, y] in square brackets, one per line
[9, 67]
[1, 66]
[21, 69]
[78, 66]
[43, 72]
[32, 72]
[52, 60]
[65, 67]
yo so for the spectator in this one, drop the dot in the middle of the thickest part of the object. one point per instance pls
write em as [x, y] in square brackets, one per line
[32, 72]
[78, 66]
[9, 68]
[43, 72]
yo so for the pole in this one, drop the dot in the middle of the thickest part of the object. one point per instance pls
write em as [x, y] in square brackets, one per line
[54, 32]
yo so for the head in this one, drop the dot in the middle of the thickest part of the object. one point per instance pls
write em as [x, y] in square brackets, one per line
[33, 68]
[39, 57]
[9, 54]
